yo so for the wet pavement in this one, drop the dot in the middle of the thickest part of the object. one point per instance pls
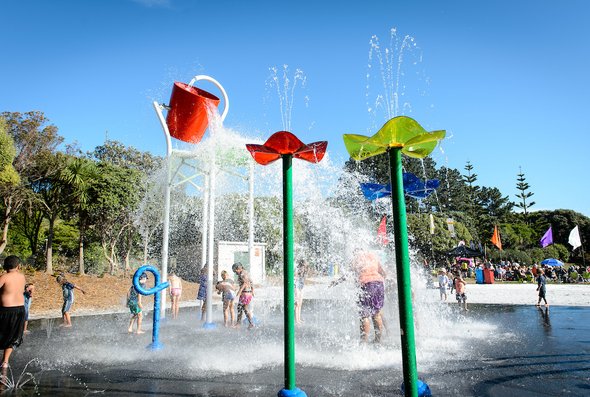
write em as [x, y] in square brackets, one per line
[491, 350]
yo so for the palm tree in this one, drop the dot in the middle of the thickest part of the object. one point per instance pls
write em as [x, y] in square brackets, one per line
[78, 175]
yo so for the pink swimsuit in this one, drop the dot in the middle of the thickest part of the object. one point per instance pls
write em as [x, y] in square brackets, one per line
[175, 291]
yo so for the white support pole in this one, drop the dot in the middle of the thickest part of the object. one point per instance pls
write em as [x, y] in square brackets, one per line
[205, 222]
[166, 226]
[209, 308]
[165, 235]
[251, 217]
[211, 231]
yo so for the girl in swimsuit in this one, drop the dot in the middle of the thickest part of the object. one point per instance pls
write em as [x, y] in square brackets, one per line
[175, 293]
[300, 273]
[228, 296]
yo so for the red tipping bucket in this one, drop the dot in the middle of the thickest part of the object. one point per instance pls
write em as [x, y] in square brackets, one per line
[187, 118]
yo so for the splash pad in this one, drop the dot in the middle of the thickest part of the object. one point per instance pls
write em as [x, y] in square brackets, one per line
[455, 352]
[494, 351]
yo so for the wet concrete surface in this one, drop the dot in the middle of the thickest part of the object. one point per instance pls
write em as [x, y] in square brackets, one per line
[529, 351]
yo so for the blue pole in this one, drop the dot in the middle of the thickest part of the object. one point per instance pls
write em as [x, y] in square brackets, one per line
[155, 290]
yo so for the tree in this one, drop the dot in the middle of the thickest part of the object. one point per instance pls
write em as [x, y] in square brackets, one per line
[33, 140]
[47, 183]
[78, 176]
[123, 156]
[524, 194]
[435, 246]
[116, 192]
[452, 193]
[9, 180]
[472, 191]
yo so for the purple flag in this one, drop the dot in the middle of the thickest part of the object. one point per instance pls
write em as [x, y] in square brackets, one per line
[547, 238]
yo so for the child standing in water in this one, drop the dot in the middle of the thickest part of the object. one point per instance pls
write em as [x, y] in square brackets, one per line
[245, 294]
[28, 294]
[67, 290]
[541, 287]
[135, 307]
[12, 308]
[202, 293]
[175, 293]
[443, 280]
[300, 274]
[460, 291]
[228, 296]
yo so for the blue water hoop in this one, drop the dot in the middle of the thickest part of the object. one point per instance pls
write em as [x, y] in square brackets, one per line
[155, 345]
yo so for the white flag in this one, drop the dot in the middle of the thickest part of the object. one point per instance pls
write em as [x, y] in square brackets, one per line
[574, 238]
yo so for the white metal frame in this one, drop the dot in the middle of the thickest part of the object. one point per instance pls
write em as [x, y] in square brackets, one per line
[207, 243]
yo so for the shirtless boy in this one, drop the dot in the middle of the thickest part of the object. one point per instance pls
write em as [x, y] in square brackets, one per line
[460, 291]
[12, 307]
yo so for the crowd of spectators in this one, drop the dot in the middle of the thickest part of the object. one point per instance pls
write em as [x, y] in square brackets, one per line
[513, 271]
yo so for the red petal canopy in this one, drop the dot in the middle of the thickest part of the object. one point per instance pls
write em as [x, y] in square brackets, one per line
[284, 142]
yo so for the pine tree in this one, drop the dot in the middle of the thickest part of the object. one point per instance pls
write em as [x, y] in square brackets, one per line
[472, 190]
[524, 194]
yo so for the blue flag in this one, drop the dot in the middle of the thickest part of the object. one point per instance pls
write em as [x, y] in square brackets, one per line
[547, 238]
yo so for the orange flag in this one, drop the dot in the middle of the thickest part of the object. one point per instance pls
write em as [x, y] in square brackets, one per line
[496, 238]
[382, 232]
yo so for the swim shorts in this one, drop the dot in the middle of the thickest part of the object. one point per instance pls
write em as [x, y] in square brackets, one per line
[228, 295]
[461, 297]
[371, 298]
[67, 306]
[12, 324]
[245, 298]
[134, 308]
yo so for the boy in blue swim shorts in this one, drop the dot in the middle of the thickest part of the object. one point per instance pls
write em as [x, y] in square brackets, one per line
[67, 289]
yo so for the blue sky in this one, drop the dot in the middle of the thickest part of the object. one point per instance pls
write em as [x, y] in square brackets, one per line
[508, 80]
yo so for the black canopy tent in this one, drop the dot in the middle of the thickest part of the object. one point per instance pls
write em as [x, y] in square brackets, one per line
[465, 252]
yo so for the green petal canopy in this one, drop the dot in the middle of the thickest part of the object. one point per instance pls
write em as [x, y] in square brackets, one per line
[399, 132]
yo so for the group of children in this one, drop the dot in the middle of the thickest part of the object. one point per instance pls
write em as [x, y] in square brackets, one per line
[244, 293]
[136, 308]
[458, 284]
[225, 287]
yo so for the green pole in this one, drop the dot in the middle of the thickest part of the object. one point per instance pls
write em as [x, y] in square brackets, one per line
[402, 260]
[289, 289]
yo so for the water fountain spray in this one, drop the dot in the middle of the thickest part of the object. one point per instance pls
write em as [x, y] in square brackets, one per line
[285, 145]
[399, 135]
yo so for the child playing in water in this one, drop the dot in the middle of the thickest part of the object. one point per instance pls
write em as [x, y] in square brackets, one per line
[202, 293]
[541, 287]
[460, 291]
[245, 294]
[175, 293]
[226, 288]
[12, 308]
[443, 280]
[300, 274]
[67, 290]
[28, 294]
[134, 305]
